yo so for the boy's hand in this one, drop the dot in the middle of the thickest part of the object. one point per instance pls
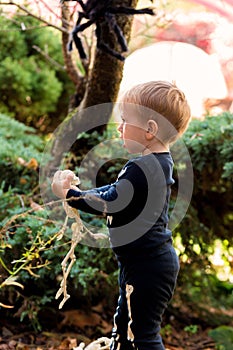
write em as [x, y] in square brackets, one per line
[62, 182]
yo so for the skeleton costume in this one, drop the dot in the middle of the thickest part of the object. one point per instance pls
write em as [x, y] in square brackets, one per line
[137, 208]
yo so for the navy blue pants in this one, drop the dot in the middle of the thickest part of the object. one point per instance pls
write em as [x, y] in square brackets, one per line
[146, 287]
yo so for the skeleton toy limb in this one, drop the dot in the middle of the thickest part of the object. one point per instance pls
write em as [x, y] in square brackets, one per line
[76, 237]
[79, 232]
[99, 344]
[69, 211]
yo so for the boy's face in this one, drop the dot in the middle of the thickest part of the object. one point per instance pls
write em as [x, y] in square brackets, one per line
[132, 131]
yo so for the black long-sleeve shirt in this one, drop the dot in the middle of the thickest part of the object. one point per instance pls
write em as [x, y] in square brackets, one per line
[136, 205]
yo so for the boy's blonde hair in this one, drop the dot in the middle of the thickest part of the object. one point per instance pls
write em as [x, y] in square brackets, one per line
[166, 100]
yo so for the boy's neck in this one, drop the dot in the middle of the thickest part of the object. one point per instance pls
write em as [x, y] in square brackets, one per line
[157, 147]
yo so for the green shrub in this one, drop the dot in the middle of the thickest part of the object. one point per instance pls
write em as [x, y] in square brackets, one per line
[20, 154]
[209, 219]
[210, 145]
[28, 237]
[30, 255]
[32, 89]
[223, 336]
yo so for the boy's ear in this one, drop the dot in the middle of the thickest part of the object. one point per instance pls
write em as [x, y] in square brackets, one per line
[152, 129]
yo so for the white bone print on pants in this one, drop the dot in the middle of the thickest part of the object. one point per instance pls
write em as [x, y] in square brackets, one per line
[129, 290]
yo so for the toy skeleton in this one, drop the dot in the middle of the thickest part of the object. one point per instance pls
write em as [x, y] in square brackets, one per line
[99, 344]
[79, 232]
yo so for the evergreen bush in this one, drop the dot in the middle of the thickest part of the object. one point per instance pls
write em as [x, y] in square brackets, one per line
[33, 88]
[28, 236]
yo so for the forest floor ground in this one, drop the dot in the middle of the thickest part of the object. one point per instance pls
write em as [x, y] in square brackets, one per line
[74, 327]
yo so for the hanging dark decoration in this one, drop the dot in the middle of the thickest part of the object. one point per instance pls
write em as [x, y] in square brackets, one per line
[98, 12]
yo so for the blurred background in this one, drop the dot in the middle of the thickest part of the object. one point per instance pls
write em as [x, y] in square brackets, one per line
[42, 87]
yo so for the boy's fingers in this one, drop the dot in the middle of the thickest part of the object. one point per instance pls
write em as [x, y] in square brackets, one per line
[67, 181]
[63, 175]
[67, 173]
[70, 176]
[56, 176]
[62, 180]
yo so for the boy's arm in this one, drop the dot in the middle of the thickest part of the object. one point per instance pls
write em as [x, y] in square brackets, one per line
[124, 197]
[92, 201]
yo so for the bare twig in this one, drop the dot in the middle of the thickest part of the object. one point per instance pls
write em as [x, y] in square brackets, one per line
[30, 13]
[50, 9]
[48, 58]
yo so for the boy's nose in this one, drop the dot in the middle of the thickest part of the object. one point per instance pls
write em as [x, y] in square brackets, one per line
[120, 127]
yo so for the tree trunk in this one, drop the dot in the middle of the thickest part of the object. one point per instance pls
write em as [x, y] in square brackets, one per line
[71, 69]
[105, 76]
[102, 87]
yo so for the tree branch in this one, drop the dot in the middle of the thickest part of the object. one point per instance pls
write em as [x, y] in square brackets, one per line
[48, 58]
[69, 64]
[30, 13]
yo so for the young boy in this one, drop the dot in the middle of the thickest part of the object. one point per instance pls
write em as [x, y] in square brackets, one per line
[154, 115]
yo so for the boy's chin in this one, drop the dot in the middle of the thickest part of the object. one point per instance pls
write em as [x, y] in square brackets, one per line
[133, 149]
